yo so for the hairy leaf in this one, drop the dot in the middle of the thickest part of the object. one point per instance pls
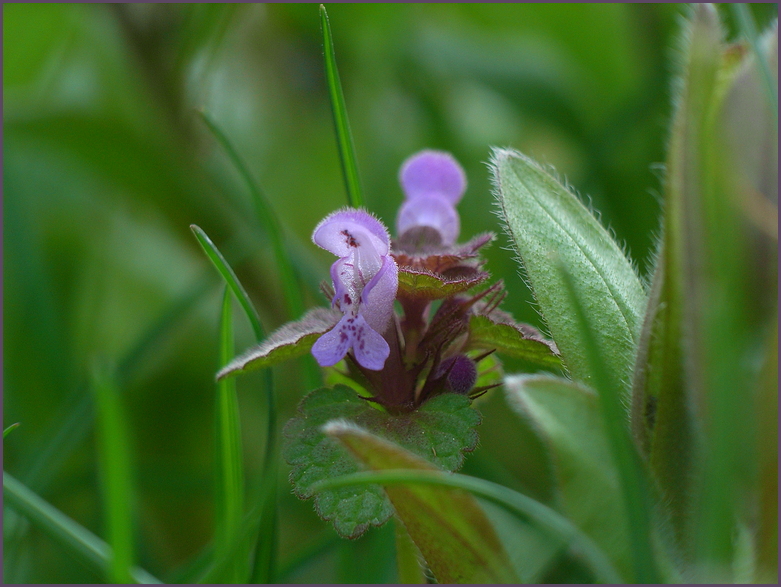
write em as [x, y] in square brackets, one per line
[288, 342]
[451, 529]
[440, 431]
[513, 340]
[424, 284]
[545, 220]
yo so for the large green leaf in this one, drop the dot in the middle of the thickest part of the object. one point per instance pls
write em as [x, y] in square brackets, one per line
[449, 526]
[568, 417]
[546, 221]
[440, 431]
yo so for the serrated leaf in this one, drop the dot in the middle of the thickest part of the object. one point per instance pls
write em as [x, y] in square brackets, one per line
[448, 526]
[569, 420]
[440, 431]
[423, 284]
[545, 220]
[288, 342]
[511, 340]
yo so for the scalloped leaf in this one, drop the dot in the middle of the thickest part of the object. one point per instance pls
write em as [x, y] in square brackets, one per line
[424, 284]
[440, 431]
[514, 340]
[452, 531]
[288, 342]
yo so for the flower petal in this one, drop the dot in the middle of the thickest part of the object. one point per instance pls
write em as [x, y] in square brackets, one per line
[369, 348]
[435, 172]
[378, 295]
[434, 211]
[345, 230]
[331, 347]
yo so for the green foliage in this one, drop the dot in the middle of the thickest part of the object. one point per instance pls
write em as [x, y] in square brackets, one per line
[292, 340]
[439, 432]
[510, 340]
[567, 416]
[449, 527]
[106, 163]
[548, 224]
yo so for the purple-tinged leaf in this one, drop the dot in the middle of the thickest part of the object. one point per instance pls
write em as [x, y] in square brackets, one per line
[291, 340]
[520, 341]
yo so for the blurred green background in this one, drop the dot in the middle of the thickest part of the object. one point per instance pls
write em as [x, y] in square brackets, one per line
[106, 164]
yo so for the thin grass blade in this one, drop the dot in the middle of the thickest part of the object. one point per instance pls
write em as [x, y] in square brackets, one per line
[521, 505]
[342, 125]
[10, 429]
[89, 549]
[115, 475]
[230, 474]
[266, 218]
[230, 278]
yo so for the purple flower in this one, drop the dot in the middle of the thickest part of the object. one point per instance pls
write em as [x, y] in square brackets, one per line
[365, 279]
[433, 183]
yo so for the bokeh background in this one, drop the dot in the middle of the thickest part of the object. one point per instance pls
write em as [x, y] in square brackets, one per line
[106, 164]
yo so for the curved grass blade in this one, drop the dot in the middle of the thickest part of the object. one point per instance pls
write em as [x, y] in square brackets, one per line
[342, 125]
[115, 471]
[230, 278]
[266, 218]
[521, 505]
[230, 475]
[10, 429]
[89, 548]
[631, 474]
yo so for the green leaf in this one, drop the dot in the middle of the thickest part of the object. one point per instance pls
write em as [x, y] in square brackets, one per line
[114, 474]
[589, 492]
[408, 558]
[545, 219]
[291, 340]
[634, 489]
[449, 527]
[524, 507]
[10, 429]
[513, 341]
[64, 531]
[440, 431]
[230, 278]
[422, 284]
[767, 444]
[339, 110]
[229, 507]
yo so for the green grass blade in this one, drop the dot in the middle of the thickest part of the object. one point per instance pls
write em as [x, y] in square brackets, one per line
[264, 567]
[749, 30]
[267, 219]
[10, 429]
[230, 278]
[521, 505]
[631, 474]
[115, 475]
[64, 531]
[230, 475]
[342, 125]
